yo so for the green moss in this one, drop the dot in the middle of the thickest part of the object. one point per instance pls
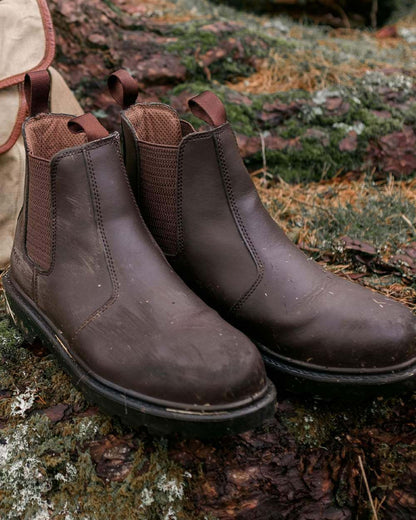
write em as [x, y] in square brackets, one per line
[10, 340]
[393, 10]
[190, 37]
[312, 162]
[316, 159]
[46, 470]
[316, 423]
[358, 221]
[113, 7]
[241, 118]
[192, 42]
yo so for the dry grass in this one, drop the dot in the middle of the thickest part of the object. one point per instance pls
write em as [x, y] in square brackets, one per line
[316, 68]
[327, 194]
[302, 69]
[349, 33]
[161, 11]
[173, 18]
[299, 204]
[408, 20]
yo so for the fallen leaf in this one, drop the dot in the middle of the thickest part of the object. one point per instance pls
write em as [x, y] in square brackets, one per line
[113, 456]
[57, 413]
[390, 31]
[353, 244]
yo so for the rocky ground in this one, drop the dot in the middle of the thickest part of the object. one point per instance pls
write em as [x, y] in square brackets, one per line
[326, 120]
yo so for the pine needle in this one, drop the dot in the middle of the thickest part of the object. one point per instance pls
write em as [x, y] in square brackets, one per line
[367, 487]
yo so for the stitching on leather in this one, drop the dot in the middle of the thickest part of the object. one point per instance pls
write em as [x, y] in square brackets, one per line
[36, 273]
[110, 263]
[24, 213]
[54, 168]
[127, 131]
[107, 250]
[229, 189]
[227, 180]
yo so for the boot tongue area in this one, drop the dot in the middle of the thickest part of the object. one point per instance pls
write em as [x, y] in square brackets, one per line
[155, 123]
[159, 124]
[208, 107]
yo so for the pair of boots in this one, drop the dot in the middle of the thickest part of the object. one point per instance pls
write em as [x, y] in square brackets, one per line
[113, 290]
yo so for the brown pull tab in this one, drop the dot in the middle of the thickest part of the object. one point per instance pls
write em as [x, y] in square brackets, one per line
[37, 88]
[208, 107]
[123, 87]
[88, 124]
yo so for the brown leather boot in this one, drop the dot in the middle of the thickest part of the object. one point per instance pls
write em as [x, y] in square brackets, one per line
[315, 330]
[87, 277]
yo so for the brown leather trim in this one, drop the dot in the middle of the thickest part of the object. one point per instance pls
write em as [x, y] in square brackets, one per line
[222, 163]
[54, 169]
[208, 107]
[123, 87]
[99, 220]
[49, 47]
[89, 125]
[37, 88]
[17, 129]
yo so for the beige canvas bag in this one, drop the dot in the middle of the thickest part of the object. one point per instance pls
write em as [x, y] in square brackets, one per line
[27, 43]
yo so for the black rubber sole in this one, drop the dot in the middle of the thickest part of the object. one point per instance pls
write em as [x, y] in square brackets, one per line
[330, 385]
[134, 412]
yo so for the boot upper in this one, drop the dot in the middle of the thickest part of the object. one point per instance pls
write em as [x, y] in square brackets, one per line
[232, 253]
[85, 258]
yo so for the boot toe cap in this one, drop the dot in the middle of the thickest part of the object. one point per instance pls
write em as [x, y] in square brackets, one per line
[191, 366]
[372, 333]
[346, 327]
[210, 369]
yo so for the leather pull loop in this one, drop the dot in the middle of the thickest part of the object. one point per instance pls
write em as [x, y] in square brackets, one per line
[88, 124]
[123, 87]
[37, 89]
[208, 107]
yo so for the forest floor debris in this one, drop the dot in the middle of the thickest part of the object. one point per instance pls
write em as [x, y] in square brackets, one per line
[329, 136]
